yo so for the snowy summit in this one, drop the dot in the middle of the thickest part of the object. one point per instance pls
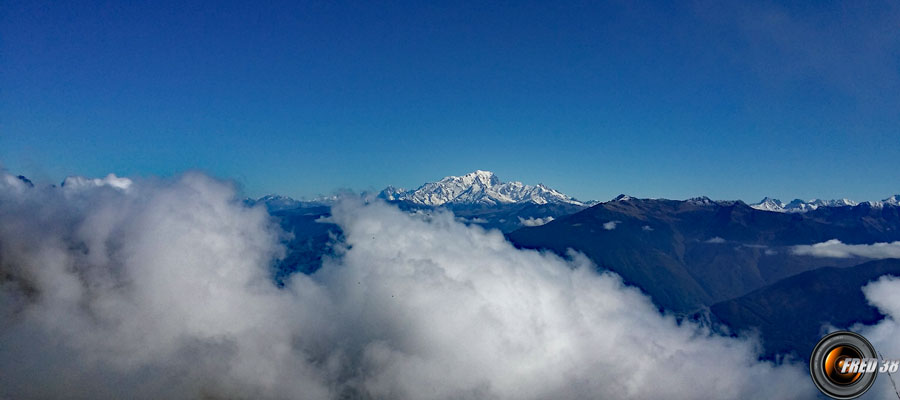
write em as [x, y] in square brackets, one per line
[799, 206]
[479, 187]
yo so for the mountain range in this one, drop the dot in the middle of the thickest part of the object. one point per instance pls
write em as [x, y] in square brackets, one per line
[797, 205]
[693, 253]
[484, 188]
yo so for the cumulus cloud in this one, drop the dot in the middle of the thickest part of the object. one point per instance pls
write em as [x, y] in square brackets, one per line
[611, 225]
[531, 221]
[162, 291]
[716, 240]
[165, 291]
[883, 294]
[836, 249]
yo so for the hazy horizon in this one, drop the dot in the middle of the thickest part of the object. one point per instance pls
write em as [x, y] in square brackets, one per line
[241, 186]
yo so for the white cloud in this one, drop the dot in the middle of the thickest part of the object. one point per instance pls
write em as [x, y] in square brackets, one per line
[647, 228]
[472, 220]
[111, 180]
[611, 225]
[531, 221]
[716, 240]
[836, 249]
[883, 294]
[165, 291]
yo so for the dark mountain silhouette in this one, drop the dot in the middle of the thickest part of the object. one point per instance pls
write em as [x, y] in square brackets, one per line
[790, 314]
[694, 253]
[309, 242]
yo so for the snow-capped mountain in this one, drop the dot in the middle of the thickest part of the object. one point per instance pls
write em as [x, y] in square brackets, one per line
[476, 188]
[391, 193]
[800, 206]
[769, 204]
[893, 200]
[890, 201]
[797, 205]
[479, 187]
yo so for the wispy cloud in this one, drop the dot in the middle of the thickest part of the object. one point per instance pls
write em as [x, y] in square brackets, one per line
[531, 221]
[833, 45]
[836, 249]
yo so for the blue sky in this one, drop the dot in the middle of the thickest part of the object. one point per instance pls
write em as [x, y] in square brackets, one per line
[656, 99]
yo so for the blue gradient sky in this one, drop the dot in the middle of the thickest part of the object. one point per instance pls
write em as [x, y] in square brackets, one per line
[594, 99]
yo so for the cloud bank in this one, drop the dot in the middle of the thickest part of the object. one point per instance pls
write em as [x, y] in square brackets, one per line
[836, 249]
[883, 294]
[164, 290]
